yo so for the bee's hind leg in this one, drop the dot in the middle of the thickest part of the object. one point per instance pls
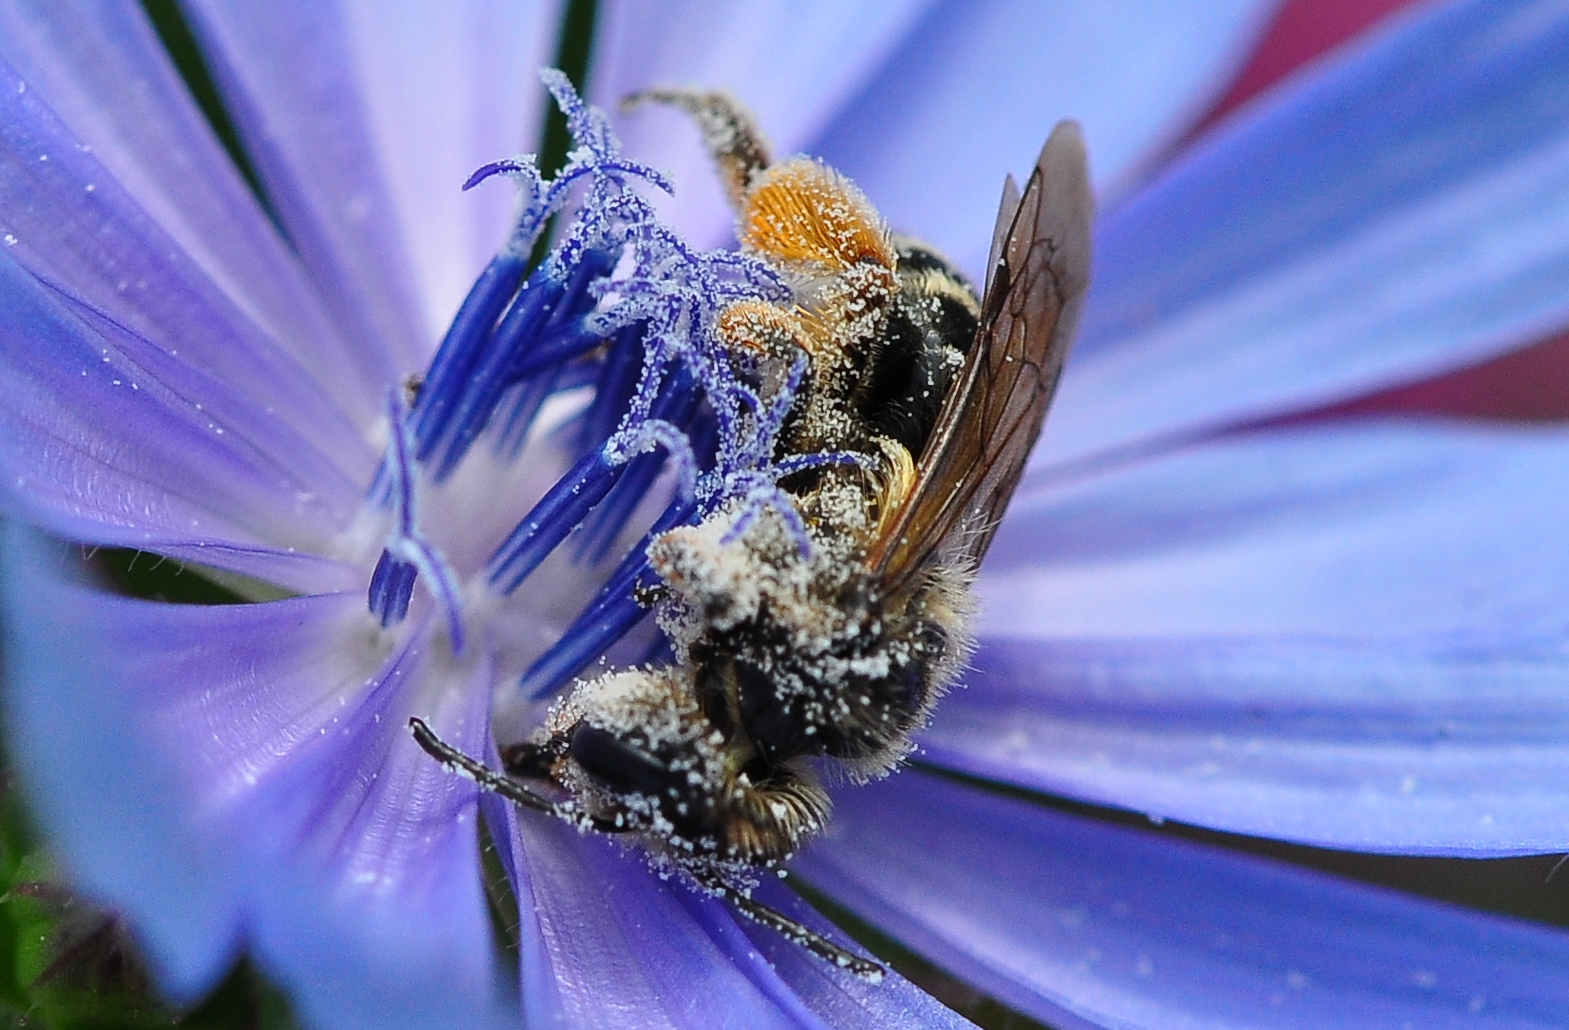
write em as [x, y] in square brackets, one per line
[729, 133]
[793, 931]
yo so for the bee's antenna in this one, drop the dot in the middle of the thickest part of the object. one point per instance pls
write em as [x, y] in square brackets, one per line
[793, 931]
[482, 774]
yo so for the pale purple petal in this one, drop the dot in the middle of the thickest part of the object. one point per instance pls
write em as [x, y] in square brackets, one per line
[1400, 211]
[209, 769]
[1082, 924]
[103, 70]
[1455, 745]
[1366, 528]
[288, 76]
[608, 943]
[794, 65]
[449, 87]
[68, 222]
[973, 92]
[106, 439]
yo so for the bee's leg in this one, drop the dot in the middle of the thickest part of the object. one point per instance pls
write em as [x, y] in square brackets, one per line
[791, 930]
[778, 341]
[729, 133]
[649, 594]
[482, 774]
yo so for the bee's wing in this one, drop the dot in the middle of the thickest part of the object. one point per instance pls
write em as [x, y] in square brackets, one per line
[995, 408]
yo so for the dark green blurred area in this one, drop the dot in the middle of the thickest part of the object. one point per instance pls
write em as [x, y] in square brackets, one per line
[65, 963]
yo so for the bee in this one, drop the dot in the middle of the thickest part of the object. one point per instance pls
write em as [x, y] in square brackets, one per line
[792, 660]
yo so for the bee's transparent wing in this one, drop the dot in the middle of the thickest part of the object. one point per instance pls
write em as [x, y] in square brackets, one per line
[1007, 207]
[994, 411]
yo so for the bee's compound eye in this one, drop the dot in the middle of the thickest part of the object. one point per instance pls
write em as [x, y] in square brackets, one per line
[616, 765]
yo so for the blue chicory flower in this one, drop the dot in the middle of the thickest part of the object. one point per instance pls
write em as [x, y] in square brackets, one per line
[1204, 605]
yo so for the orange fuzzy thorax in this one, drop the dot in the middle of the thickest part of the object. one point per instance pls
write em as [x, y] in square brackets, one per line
[802, 212]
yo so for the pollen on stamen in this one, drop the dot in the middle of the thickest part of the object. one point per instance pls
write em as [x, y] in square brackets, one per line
[622, 304]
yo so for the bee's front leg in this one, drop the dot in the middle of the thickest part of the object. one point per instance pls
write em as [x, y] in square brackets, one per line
[729, 133]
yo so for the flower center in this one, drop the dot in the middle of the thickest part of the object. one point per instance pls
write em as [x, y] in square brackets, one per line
[607, 354]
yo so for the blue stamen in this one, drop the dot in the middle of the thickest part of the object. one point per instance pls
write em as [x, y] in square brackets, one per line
[613, 392]
[550, 521]
[763, 494]
[555, 351]
[609, 617]
[541, 302]
[407, 551]
[462, 344]
[822, 459]
[678, 406]
[625, 306]
[541, 330]
[586, 639]
[481, 391]
[600, 529]
[656, 433]
[635, 566]
[519, 409]
[703, 435]
[576, 375]
[391, 587]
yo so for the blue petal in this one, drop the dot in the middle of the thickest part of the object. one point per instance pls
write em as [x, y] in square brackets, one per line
[111, 806]
[841, 1001]
[366, 891]
[608, 943]
[1446, 745]
[795, 65]
[1082, 924]
[974, 90]
[1400, 211]
[287, 75]
[1363, 529]
[105, 73]
[68, 222]
[246, 770]
[619, 946]
[106, 439]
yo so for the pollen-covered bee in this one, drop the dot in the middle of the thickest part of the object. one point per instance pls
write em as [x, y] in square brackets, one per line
[819, 637]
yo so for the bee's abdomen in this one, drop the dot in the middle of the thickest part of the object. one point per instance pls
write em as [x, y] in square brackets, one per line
[927, 332]
[791, 706]
[875, 714]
